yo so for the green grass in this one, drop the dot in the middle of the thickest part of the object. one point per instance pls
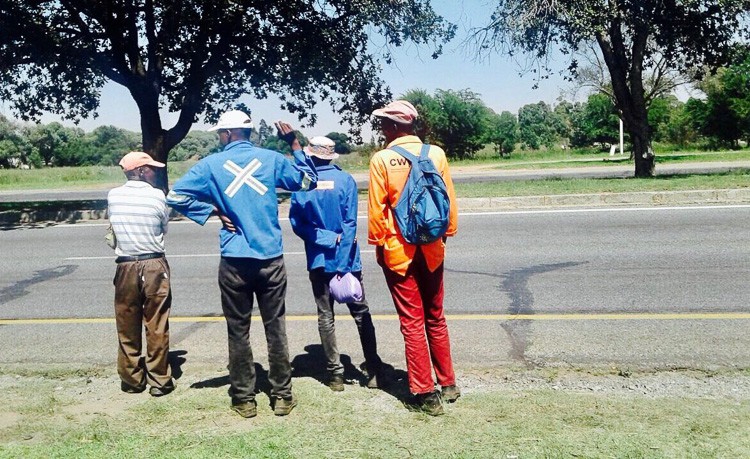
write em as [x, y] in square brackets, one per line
[73, 177]
[360, 423]
[560, 160]
[681, 182]
[103, 176]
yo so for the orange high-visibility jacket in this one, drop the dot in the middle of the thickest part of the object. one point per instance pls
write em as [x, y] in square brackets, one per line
[388, 174]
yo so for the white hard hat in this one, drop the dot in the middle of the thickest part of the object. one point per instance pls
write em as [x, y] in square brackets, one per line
[233, 119]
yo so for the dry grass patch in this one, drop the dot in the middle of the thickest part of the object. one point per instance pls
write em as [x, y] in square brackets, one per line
[501, 414]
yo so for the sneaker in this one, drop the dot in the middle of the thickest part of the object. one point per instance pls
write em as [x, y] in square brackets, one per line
[284, 406]
[450, 394]
[162, 391]
[428, 403]
[247, 409]
[128, 389]
[336, 383]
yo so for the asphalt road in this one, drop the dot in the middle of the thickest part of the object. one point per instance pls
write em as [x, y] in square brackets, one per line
[653, 260]
[639, 287]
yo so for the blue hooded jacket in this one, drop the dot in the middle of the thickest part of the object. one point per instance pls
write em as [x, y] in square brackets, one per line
[319, 217]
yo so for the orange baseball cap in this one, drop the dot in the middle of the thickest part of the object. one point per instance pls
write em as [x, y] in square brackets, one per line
[136, 159]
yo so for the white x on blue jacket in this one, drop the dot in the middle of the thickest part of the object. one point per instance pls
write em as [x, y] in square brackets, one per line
[241, 182]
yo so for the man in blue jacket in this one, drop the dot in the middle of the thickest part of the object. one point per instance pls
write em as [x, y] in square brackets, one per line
[239, 183]
[326, 220]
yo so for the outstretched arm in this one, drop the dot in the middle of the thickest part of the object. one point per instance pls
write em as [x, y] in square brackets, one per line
[300, 176]
[285, 132]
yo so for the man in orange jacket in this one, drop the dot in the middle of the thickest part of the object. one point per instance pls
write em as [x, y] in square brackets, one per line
[413, 273]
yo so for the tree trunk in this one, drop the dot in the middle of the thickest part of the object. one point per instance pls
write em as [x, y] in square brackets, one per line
[156, 140]
[145, 93]
[153, 138]
[642, 152]
[626, 71]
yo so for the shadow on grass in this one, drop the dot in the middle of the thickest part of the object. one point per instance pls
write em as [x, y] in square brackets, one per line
[396, 383]
[262, 385]
[176, 359]
[313, 363]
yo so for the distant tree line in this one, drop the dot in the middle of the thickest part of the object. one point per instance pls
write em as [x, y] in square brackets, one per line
[459, 121]
[55, 145]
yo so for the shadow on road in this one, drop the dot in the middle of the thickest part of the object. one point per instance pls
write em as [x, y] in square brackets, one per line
[20, 288]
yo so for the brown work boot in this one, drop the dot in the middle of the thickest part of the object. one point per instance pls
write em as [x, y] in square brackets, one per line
[247, 409]
[428, 403]
[373, 382]
[336, 383]
[284, 406]
[374, 378]
[450, 394]
[168, 388]
[128, 389]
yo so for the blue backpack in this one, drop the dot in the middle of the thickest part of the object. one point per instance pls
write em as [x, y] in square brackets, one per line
[422, 210]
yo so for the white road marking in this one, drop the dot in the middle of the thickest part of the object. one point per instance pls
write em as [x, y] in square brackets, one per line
[189, 255]
[488, 213]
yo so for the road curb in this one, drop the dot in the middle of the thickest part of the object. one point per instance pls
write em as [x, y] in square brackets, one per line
[30, 213]
[643, 198]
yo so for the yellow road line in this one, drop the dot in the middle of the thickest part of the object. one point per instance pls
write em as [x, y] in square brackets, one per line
[466, 317]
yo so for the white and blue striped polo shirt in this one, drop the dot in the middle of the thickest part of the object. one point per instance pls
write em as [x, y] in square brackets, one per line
[139, 216]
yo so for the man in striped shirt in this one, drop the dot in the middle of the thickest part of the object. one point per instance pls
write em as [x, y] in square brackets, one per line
[139, 215]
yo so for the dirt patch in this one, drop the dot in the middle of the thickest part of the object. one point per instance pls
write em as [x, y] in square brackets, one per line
[8, 419]
[84, 399]
[661, 384]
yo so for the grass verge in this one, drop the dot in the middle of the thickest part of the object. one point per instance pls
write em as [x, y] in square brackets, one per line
[678, 182]
[98, 176]
[88, 418]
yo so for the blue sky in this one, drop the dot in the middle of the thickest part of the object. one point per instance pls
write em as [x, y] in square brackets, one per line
[495, 78]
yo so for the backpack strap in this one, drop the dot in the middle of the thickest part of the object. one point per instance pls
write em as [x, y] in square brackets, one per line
[425, 152]
[405, 153]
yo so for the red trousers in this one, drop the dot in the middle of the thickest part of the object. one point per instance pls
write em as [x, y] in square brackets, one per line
[418, 297]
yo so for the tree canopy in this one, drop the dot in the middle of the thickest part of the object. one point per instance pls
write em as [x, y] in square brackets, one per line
[502, 132]
[537, 125]
[725, 113]
[455, 120]
[595, 122]
[632, 35]
[198, 57]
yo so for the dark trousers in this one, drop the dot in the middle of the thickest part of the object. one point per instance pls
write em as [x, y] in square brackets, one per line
[143, 297]
[360, 312]
[239, 280]
[418, 297]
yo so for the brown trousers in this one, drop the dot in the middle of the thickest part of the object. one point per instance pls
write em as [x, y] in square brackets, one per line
[143, 297]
